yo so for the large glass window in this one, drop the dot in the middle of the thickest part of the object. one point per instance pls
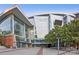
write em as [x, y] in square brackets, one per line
[19, 30]
[26, 32]
[5, 26]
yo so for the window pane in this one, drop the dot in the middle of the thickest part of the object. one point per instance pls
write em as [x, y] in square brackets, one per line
[19, 28]
[58, 22]
[5, 26]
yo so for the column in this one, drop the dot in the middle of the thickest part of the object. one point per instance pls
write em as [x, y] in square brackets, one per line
[14, 37]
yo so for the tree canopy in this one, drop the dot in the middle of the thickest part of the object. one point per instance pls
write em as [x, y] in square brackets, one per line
[66, 33]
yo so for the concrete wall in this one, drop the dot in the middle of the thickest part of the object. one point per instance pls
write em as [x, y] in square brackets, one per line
[41, 23]
[55, 17]
[44, 23]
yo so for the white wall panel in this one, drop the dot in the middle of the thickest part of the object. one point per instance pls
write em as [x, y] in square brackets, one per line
[41, 23]
[55, 17]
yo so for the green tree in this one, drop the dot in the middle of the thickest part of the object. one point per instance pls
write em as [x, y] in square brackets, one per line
[62, 33]
[74, 29]
[51, 36]
[68, 34]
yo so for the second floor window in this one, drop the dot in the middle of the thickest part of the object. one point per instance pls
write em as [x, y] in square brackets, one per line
[58, 22]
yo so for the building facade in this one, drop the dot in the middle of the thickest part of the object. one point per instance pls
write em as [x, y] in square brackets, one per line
[19, 30]
[44, 22]
[15, 28]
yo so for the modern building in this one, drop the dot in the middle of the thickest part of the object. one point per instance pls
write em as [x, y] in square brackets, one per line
[76, 15]
[15, 27]
[44, 22]
[20, 31]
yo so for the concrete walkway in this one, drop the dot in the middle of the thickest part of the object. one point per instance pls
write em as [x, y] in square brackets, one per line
[36, 51]
[40, 51]
[51, 51]
[20, 51]
[2, 47]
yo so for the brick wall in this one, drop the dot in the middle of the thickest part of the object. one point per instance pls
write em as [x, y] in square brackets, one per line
[8, 41]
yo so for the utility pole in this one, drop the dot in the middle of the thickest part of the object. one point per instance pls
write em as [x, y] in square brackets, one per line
[58, 45]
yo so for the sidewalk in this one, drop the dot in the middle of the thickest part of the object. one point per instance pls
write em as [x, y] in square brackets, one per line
[4, 49]
[37, 51]
[70, 51]
[40, 51]
[51, 51]
[21, 51]
[67, 51]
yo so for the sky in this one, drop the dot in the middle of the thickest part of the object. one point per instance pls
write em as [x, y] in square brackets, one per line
[30, 9]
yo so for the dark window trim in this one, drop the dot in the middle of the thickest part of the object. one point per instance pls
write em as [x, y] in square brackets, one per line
[7, 16]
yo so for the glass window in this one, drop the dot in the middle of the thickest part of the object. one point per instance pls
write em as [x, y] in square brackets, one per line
[58, 22]
[19, 30]
[65, 19]
[5, 26]
[26, 32]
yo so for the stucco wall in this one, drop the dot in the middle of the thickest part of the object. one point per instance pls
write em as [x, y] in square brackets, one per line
[41, 23]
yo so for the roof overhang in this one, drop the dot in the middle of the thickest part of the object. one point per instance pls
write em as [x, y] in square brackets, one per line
[17, 12]
[54, 13]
